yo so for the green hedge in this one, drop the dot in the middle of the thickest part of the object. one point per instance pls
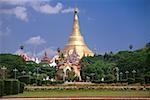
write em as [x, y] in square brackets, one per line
[10, 87]
[1, 88]
[15, 86]
[21, 87]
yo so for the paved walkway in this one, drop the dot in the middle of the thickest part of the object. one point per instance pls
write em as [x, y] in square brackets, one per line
[80, 98]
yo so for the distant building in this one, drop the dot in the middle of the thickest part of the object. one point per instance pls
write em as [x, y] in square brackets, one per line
[45, 58]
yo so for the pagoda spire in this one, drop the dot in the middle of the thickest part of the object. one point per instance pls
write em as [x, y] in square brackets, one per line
[76, 40]
[76, 28]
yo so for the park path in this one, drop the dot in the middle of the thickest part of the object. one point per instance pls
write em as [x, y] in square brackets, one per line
[80, 98]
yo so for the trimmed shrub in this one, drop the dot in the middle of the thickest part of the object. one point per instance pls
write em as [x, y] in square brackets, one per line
[131, 80]
[139, 80]
[39, 82]
[11, 86]
[8, 87]
[147, 78]
[15, 86]
[32, 80]
[1, 88]
[25, 79]
[21, 87]
[109, 78]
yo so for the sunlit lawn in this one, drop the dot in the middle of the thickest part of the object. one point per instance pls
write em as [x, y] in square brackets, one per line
[48, 93]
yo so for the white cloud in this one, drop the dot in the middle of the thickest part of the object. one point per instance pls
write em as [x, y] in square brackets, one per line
[48, 9]
[37, 40]
[67, 10]
[42, 6]
[22, 2]
[19, 12]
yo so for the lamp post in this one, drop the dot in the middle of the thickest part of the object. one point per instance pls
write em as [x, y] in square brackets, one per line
[37, 74]
[30, 73]
[23, 72]
[3, 70]
[117, 73]
[133, 72]
[121, 74]
[127, 72]
[15, 70]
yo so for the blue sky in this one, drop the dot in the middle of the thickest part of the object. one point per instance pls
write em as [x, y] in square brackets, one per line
[45, 25]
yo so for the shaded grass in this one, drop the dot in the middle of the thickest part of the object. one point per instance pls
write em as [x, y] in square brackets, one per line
[51, 93]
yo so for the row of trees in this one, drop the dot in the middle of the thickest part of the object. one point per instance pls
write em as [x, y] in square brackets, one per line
[125, 66]
[13, 66]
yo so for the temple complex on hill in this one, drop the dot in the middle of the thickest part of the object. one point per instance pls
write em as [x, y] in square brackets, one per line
[68, 59]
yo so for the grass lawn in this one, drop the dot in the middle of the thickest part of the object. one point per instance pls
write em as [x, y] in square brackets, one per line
[48, 93]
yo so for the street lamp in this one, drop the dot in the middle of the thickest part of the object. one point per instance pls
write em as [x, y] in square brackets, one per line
[23, 72]
[121, 74]
[133, 72]
[29, 72]
[127, 72]
[15, 70]
[37, 74]
[3, 70]
[117, 73]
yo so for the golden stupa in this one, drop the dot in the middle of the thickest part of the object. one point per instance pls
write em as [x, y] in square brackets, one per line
[76, 41]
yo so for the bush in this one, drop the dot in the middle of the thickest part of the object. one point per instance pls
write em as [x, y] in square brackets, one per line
[39, 82]
[1, 88]
[109, 78]
[8, 87]
[15, 86]
[131, 80]
[21, 87]
[147, 78]
[25, 79]
[11, 86]
[139, 80]
[32, 80]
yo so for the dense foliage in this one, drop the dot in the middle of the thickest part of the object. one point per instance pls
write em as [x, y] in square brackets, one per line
[28, 72]
[124, 65]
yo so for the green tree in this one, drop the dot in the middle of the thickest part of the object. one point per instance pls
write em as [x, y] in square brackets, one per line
[11, 62]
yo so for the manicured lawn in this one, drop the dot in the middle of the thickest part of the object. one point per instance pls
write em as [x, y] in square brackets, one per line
[48, 93]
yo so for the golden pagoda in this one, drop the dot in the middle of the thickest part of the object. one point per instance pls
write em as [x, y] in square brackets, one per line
[76, 41]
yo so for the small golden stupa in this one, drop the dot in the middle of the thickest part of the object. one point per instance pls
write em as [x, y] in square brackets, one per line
[76, 41]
